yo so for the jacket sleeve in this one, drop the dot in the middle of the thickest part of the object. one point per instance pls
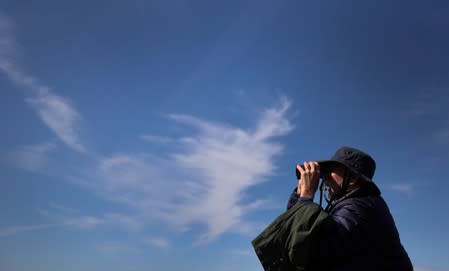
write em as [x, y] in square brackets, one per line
[295, 198]
[305, 237]
[286, 244]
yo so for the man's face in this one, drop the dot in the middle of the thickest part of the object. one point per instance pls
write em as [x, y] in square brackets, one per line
[334, 180]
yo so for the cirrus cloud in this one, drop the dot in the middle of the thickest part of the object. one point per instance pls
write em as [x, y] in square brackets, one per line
[203, 181]
[55, 111]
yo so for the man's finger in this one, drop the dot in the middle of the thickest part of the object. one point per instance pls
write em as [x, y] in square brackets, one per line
[315, 166]
[306, 165]
[312, 166]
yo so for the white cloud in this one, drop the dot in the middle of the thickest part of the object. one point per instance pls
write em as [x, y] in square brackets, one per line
[116, 248]
[158, 242]
[33, 157]
[61, 208]
[406, 188]
[204, 182]
[230, 161]
[108, 219]
[84, 222]
[420, 268]
[55, 111]
[59, 116]
[431, 104]
[8, 231]
[123, 221]
[65, 216]
[243, 252]
[156, 139]
[273, 122]
[7, 44]
[262, 204]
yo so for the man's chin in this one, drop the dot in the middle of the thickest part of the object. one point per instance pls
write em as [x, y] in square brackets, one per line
[331, 194]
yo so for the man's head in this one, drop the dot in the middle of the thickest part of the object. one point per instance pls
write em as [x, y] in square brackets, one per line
[347, 168]
[334, 178]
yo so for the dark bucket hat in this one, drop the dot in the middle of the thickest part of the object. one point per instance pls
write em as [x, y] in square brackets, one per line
[358, 162]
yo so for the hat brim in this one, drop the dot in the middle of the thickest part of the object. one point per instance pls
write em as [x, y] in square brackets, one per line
[329, 163]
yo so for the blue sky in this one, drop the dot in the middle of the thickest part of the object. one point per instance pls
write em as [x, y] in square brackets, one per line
[159, 135]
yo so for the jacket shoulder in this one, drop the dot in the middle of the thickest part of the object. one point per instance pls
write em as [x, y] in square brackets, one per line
[357, 211]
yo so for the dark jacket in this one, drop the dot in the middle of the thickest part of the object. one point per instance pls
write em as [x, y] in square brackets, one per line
[356, 232]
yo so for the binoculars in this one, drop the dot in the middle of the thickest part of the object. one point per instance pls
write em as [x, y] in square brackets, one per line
[324, 171]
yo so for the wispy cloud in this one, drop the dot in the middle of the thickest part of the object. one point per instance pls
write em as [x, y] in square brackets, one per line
[65, 216]
[229, 161]
[420, 268]
[62, 208]
[123, 221]
[242, 252]
[115, 248]
[428, 102]
[156, 139]
[56, 112]
[204, 181]
[33, 157]
[7, 43]
[20, 229]
[431, 104]
[406, 188]
[84, 222]
[273, 122]
[158, 242]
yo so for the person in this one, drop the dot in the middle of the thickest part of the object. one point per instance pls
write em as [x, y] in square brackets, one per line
[364, 235]
[356, 230]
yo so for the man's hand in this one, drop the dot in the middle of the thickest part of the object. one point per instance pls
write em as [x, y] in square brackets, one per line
[310, 177]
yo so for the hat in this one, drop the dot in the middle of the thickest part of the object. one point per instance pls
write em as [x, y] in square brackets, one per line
[357, 161]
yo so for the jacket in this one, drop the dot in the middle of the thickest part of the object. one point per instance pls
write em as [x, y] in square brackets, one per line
[355, 232]
[287, 243]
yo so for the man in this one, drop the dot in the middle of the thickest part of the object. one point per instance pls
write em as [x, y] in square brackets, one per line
[355, 232]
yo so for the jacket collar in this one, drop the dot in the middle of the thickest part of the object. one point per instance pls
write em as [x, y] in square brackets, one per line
[366, 189]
